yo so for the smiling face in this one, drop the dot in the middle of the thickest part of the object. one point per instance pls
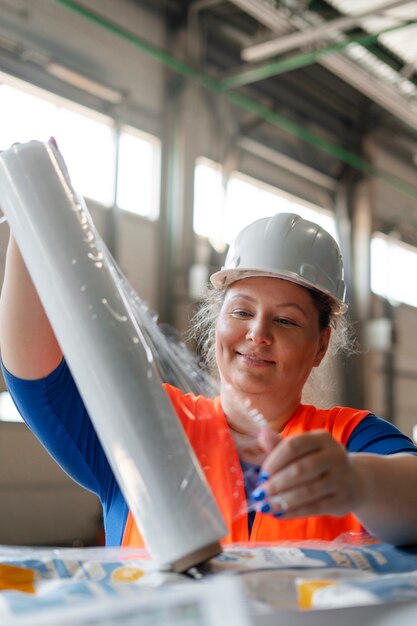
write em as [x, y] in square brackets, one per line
[267, 341]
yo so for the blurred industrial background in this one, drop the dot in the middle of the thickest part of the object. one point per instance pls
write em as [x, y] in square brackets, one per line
[183, 120]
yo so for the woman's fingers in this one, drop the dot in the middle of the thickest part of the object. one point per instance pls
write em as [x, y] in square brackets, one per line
[330, 461]
[292, 449]
[309, 474]
[289, 500]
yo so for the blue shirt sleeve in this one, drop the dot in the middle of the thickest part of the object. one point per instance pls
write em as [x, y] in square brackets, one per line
[54, 411]
[377, 436]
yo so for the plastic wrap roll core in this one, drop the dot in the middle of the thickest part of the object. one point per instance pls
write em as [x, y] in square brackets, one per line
[111, 363]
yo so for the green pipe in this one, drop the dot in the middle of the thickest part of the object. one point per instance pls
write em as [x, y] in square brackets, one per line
[274, 68]
[244, 102]
[306, 135]
[157, 53]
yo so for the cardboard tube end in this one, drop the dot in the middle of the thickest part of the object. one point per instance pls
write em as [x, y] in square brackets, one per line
[196, 558]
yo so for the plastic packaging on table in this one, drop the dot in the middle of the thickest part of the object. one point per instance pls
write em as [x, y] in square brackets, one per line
[330, 592]
[349, 571]
[109, 587]
[308, 575]
[112, 364]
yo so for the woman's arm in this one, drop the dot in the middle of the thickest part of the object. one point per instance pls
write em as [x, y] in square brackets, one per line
[387, 496]
[28, 345]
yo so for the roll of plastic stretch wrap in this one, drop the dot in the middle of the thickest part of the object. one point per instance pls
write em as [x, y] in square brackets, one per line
[111, 363]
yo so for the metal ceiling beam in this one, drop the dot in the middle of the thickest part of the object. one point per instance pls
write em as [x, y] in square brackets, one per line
[273, 47]
[274, 68]
[287, 163]
[193, 34]
[382, 94]
[264, 13]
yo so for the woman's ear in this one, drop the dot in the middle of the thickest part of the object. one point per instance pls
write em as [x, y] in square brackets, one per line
[323, 345]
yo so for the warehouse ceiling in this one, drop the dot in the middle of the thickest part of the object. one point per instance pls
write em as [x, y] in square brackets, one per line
[337, 74]
[317, 81]
[370, 46]
[344, 67]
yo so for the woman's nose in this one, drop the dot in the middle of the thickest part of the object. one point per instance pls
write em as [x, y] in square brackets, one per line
[259, 331]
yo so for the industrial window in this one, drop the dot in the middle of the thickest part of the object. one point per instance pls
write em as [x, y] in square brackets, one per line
[221, 211]
[8, 410]
[88, 141]
[85, 138]
[138, 171]
[393, 268]
[88, 146]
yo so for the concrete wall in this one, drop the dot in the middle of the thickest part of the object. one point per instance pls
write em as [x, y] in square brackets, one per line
[40, 504]
[406, 368]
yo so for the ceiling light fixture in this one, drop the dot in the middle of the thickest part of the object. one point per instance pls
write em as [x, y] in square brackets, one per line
[383, 94]
[273, 47]
[84, 83]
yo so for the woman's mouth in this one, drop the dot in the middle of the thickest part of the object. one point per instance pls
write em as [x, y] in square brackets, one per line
[255, 360]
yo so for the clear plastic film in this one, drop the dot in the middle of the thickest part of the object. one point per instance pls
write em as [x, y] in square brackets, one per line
[176, 364]
[179, 367]
[109, 342]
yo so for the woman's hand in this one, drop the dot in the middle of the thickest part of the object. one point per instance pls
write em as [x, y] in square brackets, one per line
[308, 474]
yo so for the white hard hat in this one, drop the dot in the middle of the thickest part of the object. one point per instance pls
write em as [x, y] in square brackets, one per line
[288, 247]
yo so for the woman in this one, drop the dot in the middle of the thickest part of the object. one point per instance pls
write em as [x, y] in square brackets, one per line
[270, 316]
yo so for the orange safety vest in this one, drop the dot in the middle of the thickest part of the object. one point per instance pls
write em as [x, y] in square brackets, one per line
[206, 427]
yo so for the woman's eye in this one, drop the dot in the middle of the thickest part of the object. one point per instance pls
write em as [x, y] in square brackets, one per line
[240, 313]
[283, 321]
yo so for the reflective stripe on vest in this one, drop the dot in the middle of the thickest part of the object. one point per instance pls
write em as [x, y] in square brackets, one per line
[206, 427]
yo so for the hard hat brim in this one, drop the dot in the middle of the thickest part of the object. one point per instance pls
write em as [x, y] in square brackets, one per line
[226, 277]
